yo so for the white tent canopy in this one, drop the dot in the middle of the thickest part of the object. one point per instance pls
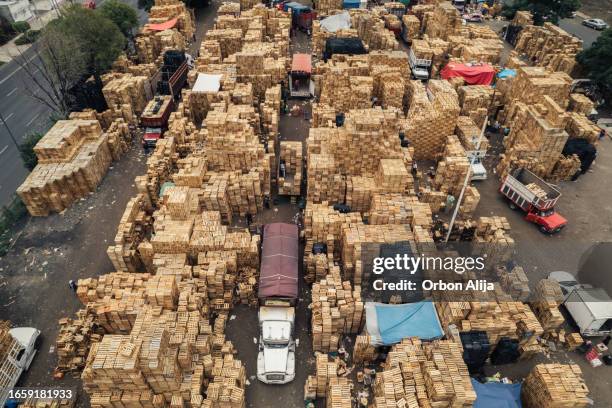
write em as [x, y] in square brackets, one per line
[336, 22]
[207, 83]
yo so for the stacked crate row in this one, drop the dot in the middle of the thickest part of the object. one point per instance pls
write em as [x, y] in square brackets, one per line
[291, 158]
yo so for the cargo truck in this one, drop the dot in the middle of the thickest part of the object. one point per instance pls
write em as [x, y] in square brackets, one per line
[419, 66]
[535, 197]
[154, 119]
[173, 74]
[16, 358]
[591, 309]
[278, 292]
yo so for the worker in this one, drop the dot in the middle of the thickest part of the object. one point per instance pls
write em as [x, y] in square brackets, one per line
[266, 146]
[249, 219]
[414, 168]
[266, 201]
[450, 203]
[72, 285]
[602, 133]
[374, 101]
[282, 169]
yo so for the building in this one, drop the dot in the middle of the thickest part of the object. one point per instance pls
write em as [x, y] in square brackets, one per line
[16, 10]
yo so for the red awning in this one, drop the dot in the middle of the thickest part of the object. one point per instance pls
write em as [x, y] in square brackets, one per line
[163, 26]
[301, 63]
[279, 261]
[473, 75]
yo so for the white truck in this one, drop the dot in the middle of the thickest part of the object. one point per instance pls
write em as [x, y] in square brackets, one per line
[278, 292]
[591, 309]
[17, 358]
[479, 172]
[276, 358]
[419, 66]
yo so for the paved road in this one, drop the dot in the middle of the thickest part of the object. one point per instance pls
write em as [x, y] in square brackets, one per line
[24, 115]
[574, 26]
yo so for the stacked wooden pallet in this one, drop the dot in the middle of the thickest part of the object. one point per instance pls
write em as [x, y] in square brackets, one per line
[74, 341]
[445, 21]
[73, 158]
[230, 40]
[129, 90]
[555, 386]
[537, 138]
[227, 386]
[164, 10]
[361, 244]
[580, 127]
[326, 373]
[418, 374]
[514, 282]
[531, 84]
[549, 46]
[580, 103]
[493, 240]
[430, 120]
[469, 134]
[399, 209]
[412, 27]
[323, 224]
[48, 403]
[339, 393]
[453, 168]
[291, 158]
[233, 9]
[565, 169]
[471, 198]
[317, 267]
[363, 351]
[546, 298]
[336, 308]
[475, 101]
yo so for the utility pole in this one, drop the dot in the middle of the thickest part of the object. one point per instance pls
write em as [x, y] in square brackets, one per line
[9, 131]
[467, 179]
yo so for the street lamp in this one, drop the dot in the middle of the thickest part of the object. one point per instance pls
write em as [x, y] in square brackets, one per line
[9, 131]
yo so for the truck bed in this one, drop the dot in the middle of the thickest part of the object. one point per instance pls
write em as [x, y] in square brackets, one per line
[517, 182]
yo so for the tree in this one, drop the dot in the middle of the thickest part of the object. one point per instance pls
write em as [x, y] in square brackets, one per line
[123, 15]
[26, 150]
[100, 40]
[543, 10]
[57, 64]
[596, 60]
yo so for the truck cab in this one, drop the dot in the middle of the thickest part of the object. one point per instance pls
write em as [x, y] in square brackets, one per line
[151, 136]
[276, 357]
[18, 358]
[548, 220]
[419, 66]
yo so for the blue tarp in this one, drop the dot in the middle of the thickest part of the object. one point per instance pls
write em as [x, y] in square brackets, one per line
[389, 324]
[351, 4]
[506, 73]
[497, 394]
[296, 7]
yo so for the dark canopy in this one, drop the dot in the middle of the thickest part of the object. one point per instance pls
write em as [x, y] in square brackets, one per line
[279, 261]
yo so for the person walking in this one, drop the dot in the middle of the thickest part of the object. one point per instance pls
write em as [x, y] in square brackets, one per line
[72, 285]
[450, 203]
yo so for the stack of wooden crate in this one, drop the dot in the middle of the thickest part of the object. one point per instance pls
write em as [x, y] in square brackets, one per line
[580, 103]
[555, 386]
[418, 374]
[73, 157]
[580, 127]
[531, 84]
[363, 351]
[317, 266]
[74, 341]
[475, 102]
[291, 156]
[412, 27]
[445, 21]
[164, 10]
[471, 198]
[361, 244]
[359, 191]
[399, 209]
[339, 393]
[565, 169]
[432, 116]
[514, 282]
[336, 308]
[549, 46]
[127, 89]
[323, 224]
[469, 134]
[547, 297]
[452, 168]
[326, 373]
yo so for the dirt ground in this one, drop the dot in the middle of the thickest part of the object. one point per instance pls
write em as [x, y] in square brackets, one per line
[598, 9]
[52, 250]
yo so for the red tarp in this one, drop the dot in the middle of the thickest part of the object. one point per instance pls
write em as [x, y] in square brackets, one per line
[473, 75]
[301, 63]
[163, 26]
[279, 261]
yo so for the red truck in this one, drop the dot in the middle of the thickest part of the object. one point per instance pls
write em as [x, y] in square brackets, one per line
[154, 119]
[535, 197]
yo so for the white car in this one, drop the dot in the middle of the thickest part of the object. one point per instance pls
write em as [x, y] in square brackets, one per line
[567, 281]
[595, 23]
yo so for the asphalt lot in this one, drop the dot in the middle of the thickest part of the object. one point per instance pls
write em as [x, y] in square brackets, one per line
[574, 26]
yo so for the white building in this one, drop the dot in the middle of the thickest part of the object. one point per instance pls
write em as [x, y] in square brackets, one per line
[16, 10]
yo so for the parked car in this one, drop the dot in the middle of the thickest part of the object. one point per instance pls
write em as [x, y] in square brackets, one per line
[473, 17]
[595, 23]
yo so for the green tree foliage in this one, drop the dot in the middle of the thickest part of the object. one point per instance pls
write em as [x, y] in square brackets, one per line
[596, 60]
[26, 150]
[7, 32]
[543, 10]
[28, 37]
[145, 4]
[123, 15]
[99, 39]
